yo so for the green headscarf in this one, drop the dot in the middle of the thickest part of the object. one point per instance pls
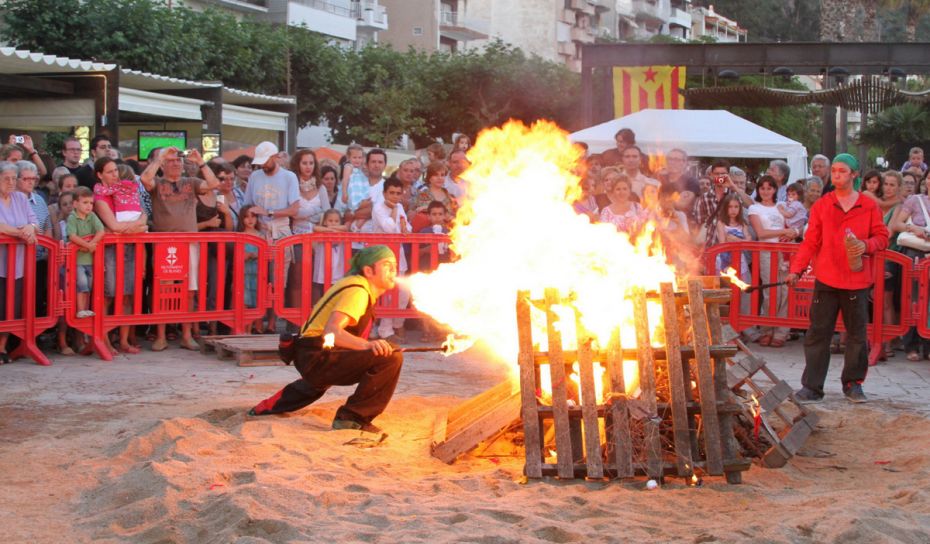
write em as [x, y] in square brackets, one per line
[368, 257]
[852, 163]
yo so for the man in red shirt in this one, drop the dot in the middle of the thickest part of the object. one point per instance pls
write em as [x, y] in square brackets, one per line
[838, 287]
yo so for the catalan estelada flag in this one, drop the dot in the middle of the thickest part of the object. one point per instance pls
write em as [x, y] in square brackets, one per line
[653, 87]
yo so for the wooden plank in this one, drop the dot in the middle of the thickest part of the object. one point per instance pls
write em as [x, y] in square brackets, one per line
[721, 350]
[705, 375]
[800, 431]
[528, 383]
[730, 445]
[563, 441]
[463, 414]
[592, 435]
[618, 427]
[647, 385]
[775, 396]
[680, 431]
[483, 427]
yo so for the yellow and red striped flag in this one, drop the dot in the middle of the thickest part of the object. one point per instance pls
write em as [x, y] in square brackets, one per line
[654, 87]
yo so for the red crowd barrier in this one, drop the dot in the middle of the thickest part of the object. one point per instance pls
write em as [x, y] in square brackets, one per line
[28, 325]
[797, 313]
[421, 251]
[219, 262]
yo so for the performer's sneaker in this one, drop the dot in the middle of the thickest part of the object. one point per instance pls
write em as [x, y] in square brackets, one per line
[808, 396]
[350, 424]
[853, 392]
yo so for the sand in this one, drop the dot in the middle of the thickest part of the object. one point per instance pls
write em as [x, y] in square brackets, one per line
[162, 451]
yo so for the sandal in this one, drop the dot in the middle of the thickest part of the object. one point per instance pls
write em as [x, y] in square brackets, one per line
[129, 348]
[5, 358]
[889, 351]
[766, 340]
[777, 343]
[913, 356]
[65, 350]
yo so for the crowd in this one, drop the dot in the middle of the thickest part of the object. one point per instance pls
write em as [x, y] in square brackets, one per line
[687, 205]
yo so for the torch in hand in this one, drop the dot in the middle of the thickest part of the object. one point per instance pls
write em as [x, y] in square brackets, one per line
[730, 274]
[451, 346]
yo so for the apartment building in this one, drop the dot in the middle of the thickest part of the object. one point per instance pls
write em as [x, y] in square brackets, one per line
[348, 23]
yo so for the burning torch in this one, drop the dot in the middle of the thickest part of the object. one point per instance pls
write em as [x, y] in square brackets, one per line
[451, 346]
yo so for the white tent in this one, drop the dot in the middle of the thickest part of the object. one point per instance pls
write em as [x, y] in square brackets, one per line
[700, 133]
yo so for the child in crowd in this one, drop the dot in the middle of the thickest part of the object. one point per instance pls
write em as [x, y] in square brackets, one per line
[248, 224]
[330, 222]
[793, 209]
[438, 218]
[353, 174]
[123, 197]
[84, 222]
[732, 227]
[66, 183]
[64, 207]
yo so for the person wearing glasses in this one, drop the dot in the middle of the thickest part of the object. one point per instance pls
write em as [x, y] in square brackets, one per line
[100, 147]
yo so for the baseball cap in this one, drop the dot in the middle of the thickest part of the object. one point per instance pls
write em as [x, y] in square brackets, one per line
[263, 152]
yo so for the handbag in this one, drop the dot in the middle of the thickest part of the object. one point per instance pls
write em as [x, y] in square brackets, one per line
[911, 240]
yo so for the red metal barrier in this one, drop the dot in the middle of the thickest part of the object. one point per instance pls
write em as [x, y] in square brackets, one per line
[799, 296]
[28, 326]
[170, 298]
[422, 251]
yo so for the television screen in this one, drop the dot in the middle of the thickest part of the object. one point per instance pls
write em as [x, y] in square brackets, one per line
[150, 139]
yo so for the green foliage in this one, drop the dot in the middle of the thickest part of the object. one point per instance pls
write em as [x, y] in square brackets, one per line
[372, 96]
[904, 123]
[772, 20]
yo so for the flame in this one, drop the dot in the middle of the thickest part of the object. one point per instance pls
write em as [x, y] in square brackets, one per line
[517, 231]
[730, 273]
[329, 340]
[454, 345]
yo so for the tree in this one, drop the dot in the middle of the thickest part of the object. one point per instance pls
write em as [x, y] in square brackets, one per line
[914, 10]
[905, 123]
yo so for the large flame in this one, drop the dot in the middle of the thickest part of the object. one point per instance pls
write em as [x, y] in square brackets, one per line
[517, 231]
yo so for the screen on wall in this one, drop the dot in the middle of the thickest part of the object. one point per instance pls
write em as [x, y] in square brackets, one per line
[151, 139]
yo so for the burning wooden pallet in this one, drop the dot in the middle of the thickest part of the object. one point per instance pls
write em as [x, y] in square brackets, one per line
[681, 422]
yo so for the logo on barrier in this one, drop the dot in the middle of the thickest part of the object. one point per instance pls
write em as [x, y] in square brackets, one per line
[171, 262]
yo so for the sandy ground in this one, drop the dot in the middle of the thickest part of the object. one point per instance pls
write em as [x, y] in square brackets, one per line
[158, 449]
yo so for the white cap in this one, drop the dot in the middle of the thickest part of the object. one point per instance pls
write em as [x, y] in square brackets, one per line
[263, 152]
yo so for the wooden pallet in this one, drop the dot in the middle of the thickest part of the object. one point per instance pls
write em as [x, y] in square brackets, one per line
[475, 420]
[247, 350]
[742, 374]
[568, 428]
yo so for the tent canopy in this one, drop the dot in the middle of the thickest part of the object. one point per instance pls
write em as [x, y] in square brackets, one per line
[700, 133]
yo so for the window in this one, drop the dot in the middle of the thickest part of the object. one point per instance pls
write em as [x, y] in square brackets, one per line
[418, 31]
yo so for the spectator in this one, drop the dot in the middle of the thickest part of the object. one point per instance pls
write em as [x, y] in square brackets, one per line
[872, 185]
[388, 217]
[820, 167]
[26, 149]
[455, 184]
[588, 203]
[82, 222]
[328, 177]
[354, 187]
[406, 174]
[704, 186]
[438, 216]
[313, 201]
[118, 207]
[275, 193]
[915, 159]
[675, 175]
[908, 184]
[226, 191]
[792, 209]
[71, 154]
[100, 147]
[632, 164]
[375, 162]
[249, 224]
[813, 191]
[434, 190]
[213, 215]
[891, 189]
[64, 208]
[739, 178]
[623, 139]
[435, 152]
[461, 143]
[18, 220]
[732, 227]
[65, 183]
[330, 222]
[839, 287]
[705, 208]
[769, 226]
[25, 183]
[174, 202]
[779, 170]
[622, 212]
[243, 166]
[910, 217]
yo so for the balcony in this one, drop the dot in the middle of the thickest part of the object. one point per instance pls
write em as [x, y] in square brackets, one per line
[567, 48]
[583, 35]
[327, 18]
[370, 15]
[680, 18]
[585, 6]
[646, 10]
[454, 26]
[245, 6]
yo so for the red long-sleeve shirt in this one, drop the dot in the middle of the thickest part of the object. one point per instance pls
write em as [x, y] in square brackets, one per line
[824, 241]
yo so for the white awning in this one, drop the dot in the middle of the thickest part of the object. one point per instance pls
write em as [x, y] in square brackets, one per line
[46, 113]
[240, 116]
[159, 104]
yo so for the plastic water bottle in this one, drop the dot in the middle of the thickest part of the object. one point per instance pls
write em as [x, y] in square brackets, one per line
[855, 261]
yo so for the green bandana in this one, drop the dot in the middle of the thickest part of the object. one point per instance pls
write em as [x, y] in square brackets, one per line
[368, 257]
[852, 163]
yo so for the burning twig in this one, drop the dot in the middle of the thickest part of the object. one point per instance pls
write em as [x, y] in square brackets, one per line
[730, 273]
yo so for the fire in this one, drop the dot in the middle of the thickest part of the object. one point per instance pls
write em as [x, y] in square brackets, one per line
[329, 341]
[454, 345]
[517, 231]
[730, 273]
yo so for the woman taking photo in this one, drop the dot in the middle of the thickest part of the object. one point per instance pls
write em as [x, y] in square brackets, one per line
[769, 226]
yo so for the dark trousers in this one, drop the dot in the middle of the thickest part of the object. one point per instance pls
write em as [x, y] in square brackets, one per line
[375, 375]
[827, 303]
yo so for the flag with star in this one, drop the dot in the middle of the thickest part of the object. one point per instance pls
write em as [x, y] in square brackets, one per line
[648, 87]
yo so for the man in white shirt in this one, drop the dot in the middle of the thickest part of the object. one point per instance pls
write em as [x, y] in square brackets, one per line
[457, 186]
[632, 161]
[388, 217]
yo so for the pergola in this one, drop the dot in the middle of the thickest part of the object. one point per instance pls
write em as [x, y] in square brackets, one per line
[881, 62]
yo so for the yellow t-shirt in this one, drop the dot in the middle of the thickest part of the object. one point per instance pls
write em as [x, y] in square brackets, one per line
[352, 301]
